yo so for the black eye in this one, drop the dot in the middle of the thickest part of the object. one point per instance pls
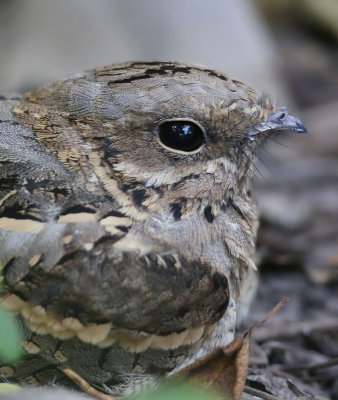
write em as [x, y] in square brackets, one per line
[181, 135]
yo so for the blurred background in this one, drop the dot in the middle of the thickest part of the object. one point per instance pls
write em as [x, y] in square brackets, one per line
[286, 48]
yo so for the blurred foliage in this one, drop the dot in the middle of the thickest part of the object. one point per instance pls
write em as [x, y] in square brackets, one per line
[321, 15]
[324, 12]
[8, 388]
[10, 349]
[180, 392]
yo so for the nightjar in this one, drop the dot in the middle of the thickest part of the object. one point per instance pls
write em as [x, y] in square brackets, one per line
[127, 223]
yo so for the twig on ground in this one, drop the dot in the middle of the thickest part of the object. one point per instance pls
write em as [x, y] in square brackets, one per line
[313, 368]
[259, 393]
[85, 386]
[290, 329]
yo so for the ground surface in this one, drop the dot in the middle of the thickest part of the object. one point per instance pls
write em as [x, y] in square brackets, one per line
[296, 353]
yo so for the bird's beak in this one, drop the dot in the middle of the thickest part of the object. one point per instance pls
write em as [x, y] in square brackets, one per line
[281, 120]
[290, 123]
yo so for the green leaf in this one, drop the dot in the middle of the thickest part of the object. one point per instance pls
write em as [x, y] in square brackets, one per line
[179, 392]
[10, 349]
[8, 388]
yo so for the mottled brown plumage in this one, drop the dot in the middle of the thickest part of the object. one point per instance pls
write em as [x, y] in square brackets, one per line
[126, 256]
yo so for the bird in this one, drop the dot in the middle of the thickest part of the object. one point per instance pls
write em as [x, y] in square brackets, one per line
[127, 219]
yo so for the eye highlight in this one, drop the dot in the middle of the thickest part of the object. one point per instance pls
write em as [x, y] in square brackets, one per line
[181, 135]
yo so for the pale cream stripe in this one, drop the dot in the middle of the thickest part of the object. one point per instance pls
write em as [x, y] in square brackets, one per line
[77, 218]
[21, 225]
[97, 334]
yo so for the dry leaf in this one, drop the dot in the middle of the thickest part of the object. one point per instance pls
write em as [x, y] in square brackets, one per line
[225, 369]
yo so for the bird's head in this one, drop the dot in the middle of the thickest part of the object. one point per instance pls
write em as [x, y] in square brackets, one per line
[188, 130]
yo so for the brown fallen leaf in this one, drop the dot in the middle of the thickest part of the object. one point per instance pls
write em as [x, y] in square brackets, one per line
[225, 369]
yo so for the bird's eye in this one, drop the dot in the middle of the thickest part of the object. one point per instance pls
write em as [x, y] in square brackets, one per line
[184, 136]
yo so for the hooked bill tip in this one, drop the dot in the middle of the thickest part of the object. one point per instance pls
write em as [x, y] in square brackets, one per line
[284, 121]
[299, 127]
